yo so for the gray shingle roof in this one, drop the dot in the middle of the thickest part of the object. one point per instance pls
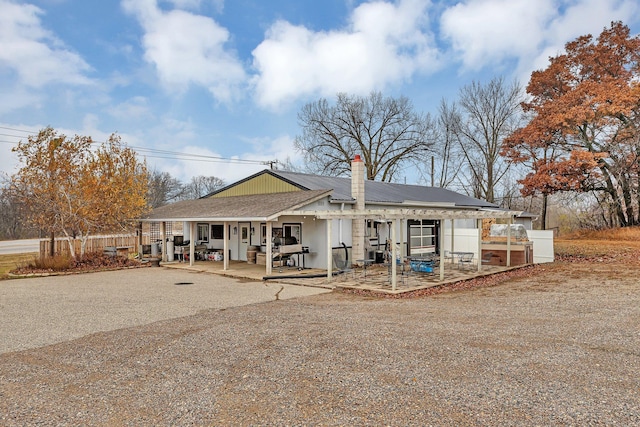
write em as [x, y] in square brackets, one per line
[382, 192]
[238, 207]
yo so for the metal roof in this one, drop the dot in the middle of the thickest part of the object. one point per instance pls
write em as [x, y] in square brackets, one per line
[383, 192]
[384, 200]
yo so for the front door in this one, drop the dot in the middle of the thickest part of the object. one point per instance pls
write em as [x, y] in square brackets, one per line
[244, 240]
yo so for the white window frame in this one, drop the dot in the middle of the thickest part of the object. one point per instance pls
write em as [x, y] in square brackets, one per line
[202, 230]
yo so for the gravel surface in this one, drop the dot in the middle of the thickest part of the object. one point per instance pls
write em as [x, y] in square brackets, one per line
[559, 348]
[46, 310]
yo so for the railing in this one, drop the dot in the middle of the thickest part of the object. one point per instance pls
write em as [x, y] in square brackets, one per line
[94, 244]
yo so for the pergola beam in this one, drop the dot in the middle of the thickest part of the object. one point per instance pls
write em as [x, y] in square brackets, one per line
[392, 214]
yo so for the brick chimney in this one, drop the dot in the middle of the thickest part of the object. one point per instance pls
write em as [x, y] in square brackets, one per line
[357, 225]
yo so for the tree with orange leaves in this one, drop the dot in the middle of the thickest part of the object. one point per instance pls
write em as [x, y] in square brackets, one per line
[68, 187]
[583, 134]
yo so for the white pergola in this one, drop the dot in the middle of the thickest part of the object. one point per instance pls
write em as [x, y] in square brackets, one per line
[403, 214]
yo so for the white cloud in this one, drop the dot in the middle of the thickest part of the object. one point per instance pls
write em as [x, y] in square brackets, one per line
[383, 44]
[15, 97]
[581, 18]
[135, 108]
[227, 170]
[485, 33]
[188, 49]
[33, 53]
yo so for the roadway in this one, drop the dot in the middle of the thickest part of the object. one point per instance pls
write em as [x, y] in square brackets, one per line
[19, 246]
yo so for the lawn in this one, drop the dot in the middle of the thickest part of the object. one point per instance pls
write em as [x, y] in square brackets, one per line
[12, 261]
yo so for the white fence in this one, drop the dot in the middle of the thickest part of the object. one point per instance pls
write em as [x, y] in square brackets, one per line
[542, 245]
[466, 239]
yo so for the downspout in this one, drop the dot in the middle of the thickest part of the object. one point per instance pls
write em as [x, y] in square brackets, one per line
[340, 223]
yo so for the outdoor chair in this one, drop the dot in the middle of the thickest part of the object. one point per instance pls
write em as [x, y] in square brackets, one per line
[448, 256]
[486, 257]
[343, 266]
[465, 259]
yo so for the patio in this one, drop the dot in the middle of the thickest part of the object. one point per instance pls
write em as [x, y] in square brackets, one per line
[376, 279]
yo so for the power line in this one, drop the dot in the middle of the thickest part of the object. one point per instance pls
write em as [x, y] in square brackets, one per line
[17, 130]
[159, 154]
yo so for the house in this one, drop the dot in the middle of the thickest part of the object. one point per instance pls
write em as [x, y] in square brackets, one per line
[326, 222]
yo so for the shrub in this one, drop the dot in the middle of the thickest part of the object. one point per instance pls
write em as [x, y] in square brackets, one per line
[94, 261]
[55, 263]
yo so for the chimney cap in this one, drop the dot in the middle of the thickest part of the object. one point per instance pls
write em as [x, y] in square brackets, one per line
[357, 158]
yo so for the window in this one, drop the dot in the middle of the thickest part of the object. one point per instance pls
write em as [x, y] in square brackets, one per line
[422, 236]
[293, 230]
[203, 232]
[217, 231]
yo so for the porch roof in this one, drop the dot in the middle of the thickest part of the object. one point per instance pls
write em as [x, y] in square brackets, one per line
[256, 207]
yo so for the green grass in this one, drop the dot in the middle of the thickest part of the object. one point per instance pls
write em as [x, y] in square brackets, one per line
[13, 261]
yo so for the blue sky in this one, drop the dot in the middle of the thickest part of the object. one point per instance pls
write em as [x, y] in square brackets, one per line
[225, 79]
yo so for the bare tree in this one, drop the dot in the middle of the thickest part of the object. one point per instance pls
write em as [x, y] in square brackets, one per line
[163, 189]
[11, 224]
[447, 161]
[487, 115]
[200, 186]
[385, 131]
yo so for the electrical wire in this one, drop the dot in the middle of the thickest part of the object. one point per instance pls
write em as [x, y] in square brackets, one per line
[153, 152]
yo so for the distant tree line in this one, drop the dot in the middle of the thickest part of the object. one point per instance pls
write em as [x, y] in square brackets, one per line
[165, 189]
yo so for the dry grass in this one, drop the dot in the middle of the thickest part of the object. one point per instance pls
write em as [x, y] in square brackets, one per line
[56, 263]
[13, 261]
[622, 244]
[616, 234]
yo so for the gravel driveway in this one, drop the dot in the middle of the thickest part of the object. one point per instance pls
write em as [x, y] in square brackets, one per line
[46, 310]
[559, 348]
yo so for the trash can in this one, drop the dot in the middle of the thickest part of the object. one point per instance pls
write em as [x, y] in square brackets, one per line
[110, 251]
[170, 250]
[155, 249]
[251, 254]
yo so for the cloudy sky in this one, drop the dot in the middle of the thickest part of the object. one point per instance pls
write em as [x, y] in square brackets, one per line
[213, 87]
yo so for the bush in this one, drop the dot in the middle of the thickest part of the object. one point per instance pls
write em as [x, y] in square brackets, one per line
[94, 261]
[55, 263]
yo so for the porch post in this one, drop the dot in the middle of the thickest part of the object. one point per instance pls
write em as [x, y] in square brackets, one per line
[329, 252]
[452, 221]
[163, 236]
[394, 254]
[403, 246]
[442, 248]
[139, 239]
[479, 226]
[509, 242]
[269, 242]
[225, 246]
[192, 242]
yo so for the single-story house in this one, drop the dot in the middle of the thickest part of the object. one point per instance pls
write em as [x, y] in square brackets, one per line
[327, 222]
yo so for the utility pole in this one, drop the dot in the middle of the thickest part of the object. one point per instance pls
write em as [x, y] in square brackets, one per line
[433, 173]
[271, 163]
